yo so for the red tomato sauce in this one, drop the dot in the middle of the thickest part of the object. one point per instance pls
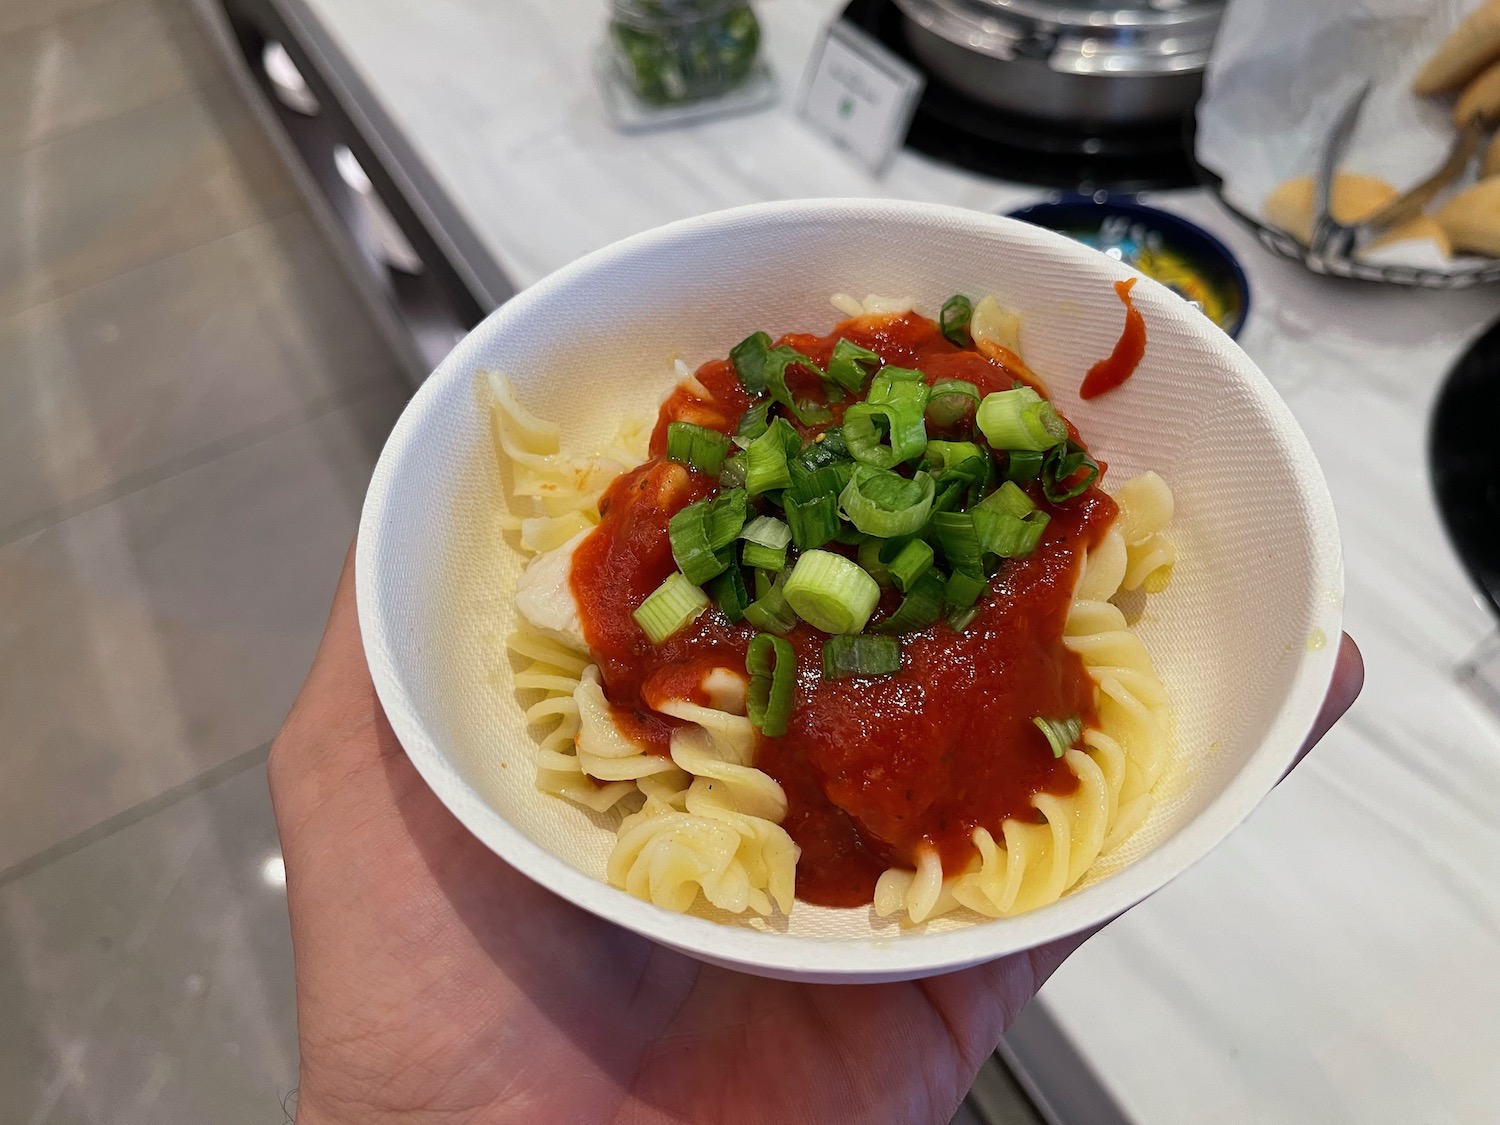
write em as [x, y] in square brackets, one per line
[874, 769]
[1109, 373]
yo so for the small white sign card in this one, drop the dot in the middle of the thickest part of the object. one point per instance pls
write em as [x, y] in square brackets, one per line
[860, 94]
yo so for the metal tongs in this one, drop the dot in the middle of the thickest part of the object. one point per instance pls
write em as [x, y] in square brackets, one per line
[1332, 239]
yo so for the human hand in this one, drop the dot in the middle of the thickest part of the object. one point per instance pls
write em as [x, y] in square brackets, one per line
[437, 985]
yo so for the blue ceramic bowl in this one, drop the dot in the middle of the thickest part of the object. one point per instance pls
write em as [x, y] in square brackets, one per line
[1183, 257]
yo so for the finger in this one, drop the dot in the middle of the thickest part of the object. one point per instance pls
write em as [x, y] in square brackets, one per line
[1348, 678]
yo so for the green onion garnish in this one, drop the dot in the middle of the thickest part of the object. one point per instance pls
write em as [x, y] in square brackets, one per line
[1024, 465]
[674, 604]
[1001, 533]
[872, 558]
[956, 460]
[957, 535]
[910, 563]
[697, 447]
[831, 593]
[694, 554]
[772, 665]
[1062, 464]
[868, 430]
[882, 503]
[813, 522]
[961, 619]
[1020, 419]
[828, 448]
[863, 655]
[922, 606]
[753, 423]
[1010, 499]
[766, 459]
[749, 357]
[726, 517]
[768, 531]
[700, 533]
[732, 475]
[809, 484]
[851, 365]
[764, 558]
[763, 368]
[1061, 734]
[902, 387]
[964, 588]
[728, 590]
[769, 611]
[952, 402]
[958, 310]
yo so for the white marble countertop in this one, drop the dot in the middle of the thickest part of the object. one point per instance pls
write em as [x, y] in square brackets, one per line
[1338, 959]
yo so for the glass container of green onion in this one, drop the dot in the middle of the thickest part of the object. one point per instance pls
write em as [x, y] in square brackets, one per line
[672, 52]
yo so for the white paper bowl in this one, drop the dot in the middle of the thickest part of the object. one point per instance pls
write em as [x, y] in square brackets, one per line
[1245, 637]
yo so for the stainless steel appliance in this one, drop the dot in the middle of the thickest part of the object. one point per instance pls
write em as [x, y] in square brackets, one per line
[1083, 62]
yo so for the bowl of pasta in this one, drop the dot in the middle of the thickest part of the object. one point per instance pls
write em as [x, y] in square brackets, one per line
[849, 590]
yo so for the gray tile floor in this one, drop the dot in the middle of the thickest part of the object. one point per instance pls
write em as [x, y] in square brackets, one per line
[191, 400]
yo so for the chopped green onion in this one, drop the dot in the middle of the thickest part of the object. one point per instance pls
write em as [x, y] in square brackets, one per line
[692, 549]
[753, 423]
[809, 484]
[1020, 419]
[813, 522]
[762, 368]
[674, 604]
[765, 460]
[762, 557]
[728, 589]
[852, 365]
[902, 387]
[1024, 465]
[958, 310]
[697, 447]
[772, 665]
[726, 517]
[922, 606]
[872, 558]
[770, 612]
[964, 588]
[868, 430]
[863, 655]
[1062, 464]
[831, 593]
[1010, 499]
[828, 448]
[700, 533]
[956, 460]
[1061, 734]
[880, 502]
[849, 535]
[910, 563]
[767, 531]
[958, 537]
[951, 402]
[749, 357]
[732, 475]
[1001, 533]
[961, 619]
[777, 362]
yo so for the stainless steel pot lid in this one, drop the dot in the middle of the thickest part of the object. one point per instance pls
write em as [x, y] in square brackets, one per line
[1126, 37]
